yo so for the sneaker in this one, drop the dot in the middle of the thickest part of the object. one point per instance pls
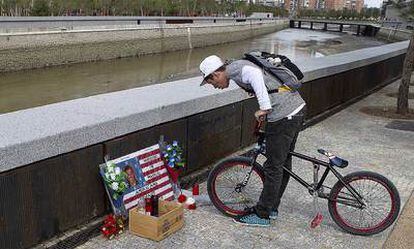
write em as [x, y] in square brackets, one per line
[252, 220]
[273, 215]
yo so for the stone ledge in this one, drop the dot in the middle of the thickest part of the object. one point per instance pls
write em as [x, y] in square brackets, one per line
[35, 134]
[316, 68]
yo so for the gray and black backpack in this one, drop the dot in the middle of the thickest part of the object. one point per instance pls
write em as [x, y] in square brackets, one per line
[278, 66]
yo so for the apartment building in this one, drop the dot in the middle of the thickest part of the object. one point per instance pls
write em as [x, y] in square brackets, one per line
[310, 4]
[289, 5]
[356, 5]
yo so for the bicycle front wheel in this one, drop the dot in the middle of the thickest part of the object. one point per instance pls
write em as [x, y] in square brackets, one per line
[234, 185]
[381, 203]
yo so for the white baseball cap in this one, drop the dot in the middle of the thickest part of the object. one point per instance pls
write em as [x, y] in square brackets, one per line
[209, 65]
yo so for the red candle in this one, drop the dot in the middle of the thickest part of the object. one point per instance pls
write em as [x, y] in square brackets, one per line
[148, 206]
[196, 189]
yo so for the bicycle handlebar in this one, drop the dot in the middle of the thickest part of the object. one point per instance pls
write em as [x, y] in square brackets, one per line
[257, 127]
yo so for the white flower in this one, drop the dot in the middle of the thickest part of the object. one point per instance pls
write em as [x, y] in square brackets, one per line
[106, 175]
[117, 170]
[114, 186]
[113, 176]
[110, 169]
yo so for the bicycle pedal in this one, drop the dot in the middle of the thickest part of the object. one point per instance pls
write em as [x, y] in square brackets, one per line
[317, 220]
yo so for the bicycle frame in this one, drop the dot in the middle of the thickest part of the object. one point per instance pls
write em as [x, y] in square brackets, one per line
[260, 149]
[361, 203]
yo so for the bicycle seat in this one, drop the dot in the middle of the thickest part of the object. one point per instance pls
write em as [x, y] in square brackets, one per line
[334, 160]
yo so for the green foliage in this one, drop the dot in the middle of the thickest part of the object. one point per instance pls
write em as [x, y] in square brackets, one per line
[15, 7]
[133, 7]
[115, 179]
[410, 9]
[406, 10]
[399, 4]
[40, 8]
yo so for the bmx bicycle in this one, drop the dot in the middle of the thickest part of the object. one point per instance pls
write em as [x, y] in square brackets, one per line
[361, 203]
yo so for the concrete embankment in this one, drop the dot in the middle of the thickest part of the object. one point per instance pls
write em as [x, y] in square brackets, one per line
[49, 48]
[392, 34]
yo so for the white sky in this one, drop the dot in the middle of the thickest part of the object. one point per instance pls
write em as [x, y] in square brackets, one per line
[373, 3]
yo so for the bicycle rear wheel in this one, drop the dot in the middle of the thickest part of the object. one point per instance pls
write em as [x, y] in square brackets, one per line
[230, 188]
[381, 199]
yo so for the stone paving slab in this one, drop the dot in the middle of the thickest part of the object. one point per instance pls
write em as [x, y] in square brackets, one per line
[363, 140]
[402, 235]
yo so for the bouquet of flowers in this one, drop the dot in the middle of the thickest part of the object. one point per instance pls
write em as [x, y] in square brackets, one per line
[172, 155]
[114, 178]
[112, 226]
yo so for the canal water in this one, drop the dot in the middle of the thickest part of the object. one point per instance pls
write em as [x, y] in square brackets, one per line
[30, 88]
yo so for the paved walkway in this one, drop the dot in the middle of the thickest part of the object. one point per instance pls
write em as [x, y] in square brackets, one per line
[402, 235]
[363, 140]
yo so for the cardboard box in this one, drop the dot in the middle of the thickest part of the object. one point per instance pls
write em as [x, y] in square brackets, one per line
[170, 220]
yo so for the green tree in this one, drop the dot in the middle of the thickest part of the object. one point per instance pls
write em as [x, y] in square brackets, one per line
[411, 11]
[40, 8]
[132, 7]
[403, 90]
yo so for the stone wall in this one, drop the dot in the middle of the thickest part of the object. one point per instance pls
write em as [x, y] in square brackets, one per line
[392, 34]
[41, 49]
[49, 155]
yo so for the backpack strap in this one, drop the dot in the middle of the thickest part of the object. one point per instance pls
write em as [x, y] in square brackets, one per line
[251, 91]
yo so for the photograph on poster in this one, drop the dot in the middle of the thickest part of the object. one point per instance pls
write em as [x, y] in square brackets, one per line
[131, 178]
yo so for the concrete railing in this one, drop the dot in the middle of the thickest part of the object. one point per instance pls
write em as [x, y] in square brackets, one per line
[49, 155]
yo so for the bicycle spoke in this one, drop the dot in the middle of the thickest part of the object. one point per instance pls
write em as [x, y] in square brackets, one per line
[350, 211]
[374, 214]
[376, 198]
[230, 191]
[374, 191]
[229, 184]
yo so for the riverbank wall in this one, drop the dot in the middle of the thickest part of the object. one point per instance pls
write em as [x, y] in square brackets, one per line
[393, 34]
[38, 49]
